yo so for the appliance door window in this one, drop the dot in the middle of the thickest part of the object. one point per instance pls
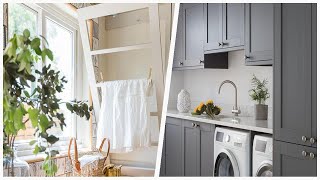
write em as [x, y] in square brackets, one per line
[225, 165]
[265, 170]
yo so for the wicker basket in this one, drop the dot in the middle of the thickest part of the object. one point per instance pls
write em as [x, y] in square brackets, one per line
[94, 168]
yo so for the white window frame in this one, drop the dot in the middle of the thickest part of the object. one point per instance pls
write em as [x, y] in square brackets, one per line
[51, 12]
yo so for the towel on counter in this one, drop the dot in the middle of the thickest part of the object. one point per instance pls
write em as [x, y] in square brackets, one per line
[125, 114]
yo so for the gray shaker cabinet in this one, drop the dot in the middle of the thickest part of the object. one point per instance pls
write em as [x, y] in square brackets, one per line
[193, 34]
[259, 37]
[295, 90]
[173, 147]
[295, 54]
[293, 160]
[224, 27]
[188, 148]
[178, 57]
[191, 148]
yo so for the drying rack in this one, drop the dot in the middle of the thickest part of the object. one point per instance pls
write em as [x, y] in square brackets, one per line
[85, 16]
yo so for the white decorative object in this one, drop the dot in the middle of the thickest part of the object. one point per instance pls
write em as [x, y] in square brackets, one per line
[184, 102]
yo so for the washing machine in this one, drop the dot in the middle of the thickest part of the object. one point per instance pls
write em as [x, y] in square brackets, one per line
[262, 155]
[232, 152]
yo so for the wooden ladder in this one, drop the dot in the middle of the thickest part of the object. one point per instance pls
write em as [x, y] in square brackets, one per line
[86, 15]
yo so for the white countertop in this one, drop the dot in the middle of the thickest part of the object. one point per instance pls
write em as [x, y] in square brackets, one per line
[246, 123]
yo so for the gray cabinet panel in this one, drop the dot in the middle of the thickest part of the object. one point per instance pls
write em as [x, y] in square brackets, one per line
[233, 24]
[259, 34]
[174, 155]
[224, 27]
[179, 46]
[191, 146]
[193, 34]
[213, 26]
[314, 71]
[289, 161]
[293, 70]
[206, 149]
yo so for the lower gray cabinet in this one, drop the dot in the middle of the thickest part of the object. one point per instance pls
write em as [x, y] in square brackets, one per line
[294, 160]
[173, 147]
[188, 148]
[191, 148]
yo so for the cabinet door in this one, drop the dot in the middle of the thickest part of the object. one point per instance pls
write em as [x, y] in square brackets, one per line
[293, 73]
[288, 160]
[314, 72]
[191, 147]
[233, 25]
[193, 34]
[206, 149]
[259, 34]
[178, 58]
[213, 26]
[173, 151]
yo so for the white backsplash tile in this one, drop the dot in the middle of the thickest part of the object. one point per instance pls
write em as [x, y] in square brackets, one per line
[203, 84]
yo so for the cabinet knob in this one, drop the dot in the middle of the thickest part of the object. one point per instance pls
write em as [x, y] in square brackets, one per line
[304, 139]
[195, 125]
[312, 140]
[181, 63]
[246, 57]
[220, 44]
[312, 155]
[201, 62]
[304, 153]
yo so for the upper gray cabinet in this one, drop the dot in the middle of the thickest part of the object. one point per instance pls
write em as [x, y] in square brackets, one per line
[259, 37]
[189, 41]
[295, 74]
[224, 27]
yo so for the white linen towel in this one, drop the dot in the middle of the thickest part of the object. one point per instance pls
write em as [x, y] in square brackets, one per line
[125, 115]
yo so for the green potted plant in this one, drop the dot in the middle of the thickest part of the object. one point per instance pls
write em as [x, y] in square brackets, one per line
[259, 93]
[42, 106]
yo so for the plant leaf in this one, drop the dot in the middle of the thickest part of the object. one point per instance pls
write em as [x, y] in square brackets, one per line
[33, 116]
[44, 122]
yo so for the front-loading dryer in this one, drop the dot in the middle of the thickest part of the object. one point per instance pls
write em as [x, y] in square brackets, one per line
[231, 152]
[262, 155]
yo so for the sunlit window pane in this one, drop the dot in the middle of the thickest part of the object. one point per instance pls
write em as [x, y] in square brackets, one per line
[60, 42]
[21, 18]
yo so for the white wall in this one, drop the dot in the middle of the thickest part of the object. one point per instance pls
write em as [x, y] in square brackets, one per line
[203, 84]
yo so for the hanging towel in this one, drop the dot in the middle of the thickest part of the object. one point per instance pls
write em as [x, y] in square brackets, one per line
[125, 116]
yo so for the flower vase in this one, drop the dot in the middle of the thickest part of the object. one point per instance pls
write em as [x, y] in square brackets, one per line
[184, 102]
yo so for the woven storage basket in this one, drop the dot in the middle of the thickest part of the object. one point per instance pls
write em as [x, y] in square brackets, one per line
[94, 168]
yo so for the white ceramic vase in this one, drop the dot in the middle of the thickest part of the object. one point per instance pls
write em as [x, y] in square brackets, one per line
[184, 102]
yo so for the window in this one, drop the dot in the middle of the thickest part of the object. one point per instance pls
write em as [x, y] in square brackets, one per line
[61, 38]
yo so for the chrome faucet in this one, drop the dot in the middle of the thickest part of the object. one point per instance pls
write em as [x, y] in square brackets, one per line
[235, 110]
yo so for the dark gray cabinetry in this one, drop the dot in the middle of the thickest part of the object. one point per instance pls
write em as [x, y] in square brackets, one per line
[189, 41]
[293, 160]
[173, 147]
[190, 151]
[293, 74]
[191, 148]
[295, 90]
[224, 27]
[178, 57]
[259, 37]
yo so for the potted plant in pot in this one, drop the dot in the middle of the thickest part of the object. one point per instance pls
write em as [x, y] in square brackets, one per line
[41, 106]
[260, 94]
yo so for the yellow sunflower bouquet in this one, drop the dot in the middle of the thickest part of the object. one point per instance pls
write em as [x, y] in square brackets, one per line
[210, 109]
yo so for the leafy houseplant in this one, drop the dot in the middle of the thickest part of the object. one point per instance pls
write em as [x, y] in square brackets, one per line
[210, 109]
[41, 106]
[260, 94]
